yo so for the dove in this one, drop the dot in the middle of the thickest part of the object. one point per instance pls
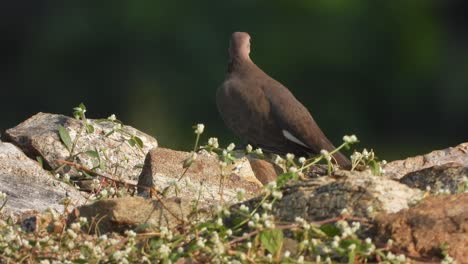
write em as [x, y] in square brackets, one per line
[265, 113]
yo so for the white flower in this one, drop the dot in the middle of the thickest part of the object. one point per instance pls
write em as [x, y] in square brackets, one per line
[240, 194]
[290, 156]
[213, 142]
[300, 259]
[75, 226]
[344, 212]
[231, 147]
[292, 169]
[164, 250]
[356, 156]
[104, 193]
[72, 234]
[365, 153]
[287, 254]
[200, 243]
[229, 232]
[335, 244]
[249, 244]
[248, 148]
[277, 195]
[302, 160]
[368, 240]
[401, 258]
[269, 224]
[325, 154]
[259, 151]
[267, 206]
[350, 139]
[271, 186]
[199, 128]
[278, 160]
[390, 242]
[66, 177]
[112, 117]
[352, 247]
[244, 208]
[130, 233]
[219, 222]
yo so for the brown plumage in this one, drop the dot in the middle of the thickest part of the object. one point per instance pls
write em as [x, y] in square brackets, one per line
[264, 112]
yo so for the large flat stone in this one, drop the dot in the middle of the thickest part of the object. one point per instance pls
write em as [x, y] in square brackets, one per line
[28, 186]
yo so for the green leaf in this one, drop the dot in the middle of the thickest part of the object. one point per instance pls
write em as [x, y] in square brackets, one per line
[330, 230]
[87, 175]
[92, 153]
[89, 128]
[351, 256]
[272, 240]
[82, 106]
[110, 133]
[138, 141]
[375, 167]
[40, 160]
[187, 162]
[131, 142]
[80, 261]
[285, 177]
[65, 137]
[139, 166]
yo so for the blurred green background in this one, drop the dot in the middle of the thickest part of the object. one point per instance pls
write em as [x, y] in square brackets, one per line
[393, 72]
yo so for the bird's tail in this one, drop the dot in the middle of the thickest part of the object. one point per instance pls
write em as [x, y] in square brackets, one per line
[342, 160]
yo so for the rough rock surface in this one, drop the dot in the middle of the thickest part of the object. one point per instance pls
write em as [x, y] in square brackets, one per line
[450, 177]
[163, 167]
[361, 193]
[120, 214]
[28, 186]
[399, 168]
[38, 136]
[421, 230]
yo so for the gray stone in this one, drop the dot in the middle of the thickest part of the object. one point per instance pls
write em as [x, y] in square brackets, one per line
[448, 177]
[202, 181]
[120, 214]
[399, 168]
[28, 186]
[360, 193]
[38, 136]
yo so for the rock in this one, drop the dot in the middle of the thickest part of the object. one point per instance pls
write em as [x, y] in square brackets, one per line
[450, 176]
[399, 168]
[360, 193]
[163, 167]
[28, 186]
[38, 136]
[120, 214]
[422, 230]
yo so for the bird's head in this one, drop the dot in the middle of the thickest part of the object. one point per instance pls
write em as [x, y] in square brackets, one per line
[239, 47]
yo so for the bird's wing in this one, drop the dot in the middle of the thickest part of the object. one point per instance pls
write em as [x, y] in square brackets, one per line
[295, 120]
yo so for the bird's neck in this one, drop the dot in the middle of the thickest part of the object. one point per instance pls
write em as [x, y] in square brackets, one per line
[239, 64]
